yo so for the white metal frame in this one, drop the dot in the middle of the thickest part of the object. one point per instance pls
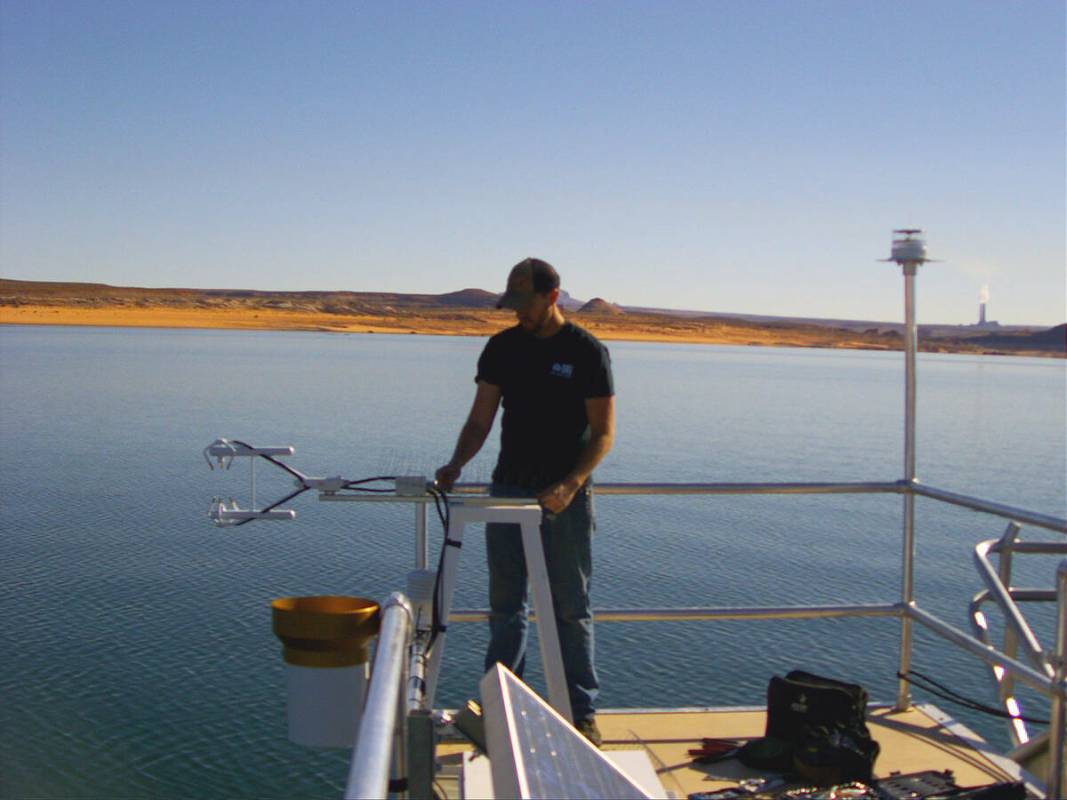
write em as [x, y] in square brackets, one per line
[528, 518]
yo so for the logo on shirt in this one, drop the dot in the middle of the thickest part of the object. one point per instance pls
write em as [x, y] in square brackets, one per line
[562, 370]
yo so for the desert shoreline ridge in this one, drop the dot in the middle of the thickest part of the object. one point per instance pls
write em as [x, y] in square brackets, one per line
[471, 312]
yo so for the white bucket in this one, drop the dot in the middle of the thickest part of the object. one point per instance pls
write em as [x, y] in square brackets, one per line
[325, 642]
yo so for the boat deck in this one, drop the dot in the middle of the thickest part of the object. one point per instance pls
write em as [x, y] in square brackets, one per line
[920, 739]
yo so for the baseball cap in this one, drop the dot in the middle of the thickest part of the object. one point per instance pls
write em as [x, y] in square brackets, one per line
[529, 276]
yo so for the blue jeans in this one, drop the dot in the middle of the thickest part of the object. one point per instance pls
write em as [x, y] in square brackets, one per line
[567, 538]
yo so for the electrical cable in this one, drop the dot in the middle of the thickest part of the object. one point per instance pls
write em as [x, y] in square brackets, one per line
[353, 484]
[301, 479]
[274, 505]
[435, 625]
[440, 498]
[274, 461]
[928, 684]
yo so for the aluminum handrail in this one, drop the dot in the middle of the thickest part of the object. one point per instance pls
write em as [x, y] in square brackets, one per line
[1004, 681]
[908, 610]
[1012, 615]
[1043, 679]
[372, 759]
[479, 490]
[988, 653]
[710, 612]
[1017, 629]
[983, 650]
[1046, 521]
[375, 782]
[854, 487]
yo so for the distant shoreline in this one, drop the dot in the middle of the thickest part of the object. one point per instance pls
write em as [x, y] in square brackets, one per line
[473, 322]
[467, 312]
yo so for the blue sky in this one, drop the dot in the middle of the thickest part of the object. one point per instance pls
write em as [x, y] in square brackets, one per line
[726, 156]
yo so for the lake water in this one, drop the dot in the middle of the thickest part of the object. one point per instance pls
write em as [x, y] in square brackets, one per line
[137, 654]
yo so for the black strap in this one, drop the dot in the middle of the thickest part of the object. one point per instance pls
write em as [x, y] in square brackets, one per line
[398, 785]
[454, 542]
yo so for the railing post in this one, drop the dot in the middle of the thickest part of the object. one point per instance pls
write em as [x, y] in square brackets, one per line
[1057, 773]
[907, 589]
[1017, 729]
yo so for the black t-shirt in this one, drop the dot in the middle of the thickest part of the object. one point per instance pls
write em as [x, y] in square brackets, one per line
[544, 384]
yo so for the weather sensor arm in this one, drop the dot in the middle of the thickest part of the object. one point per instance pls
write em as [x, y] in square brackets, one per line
[224, 514]
[224, 451]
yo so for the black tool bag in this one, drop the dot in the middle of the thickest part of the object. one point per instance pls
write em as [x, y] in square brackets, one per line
[801, 698]
[824, 722]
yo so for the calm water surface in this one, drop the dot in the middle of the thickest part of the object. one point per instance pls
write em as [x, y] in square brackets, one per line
[138, 659]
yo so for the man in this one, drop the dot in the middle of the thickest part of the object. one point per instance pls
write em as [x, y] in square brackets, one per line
[555, 382]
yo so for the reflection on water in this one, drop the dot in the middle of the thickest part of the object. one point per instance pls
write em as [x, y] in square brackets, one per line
[138, 656]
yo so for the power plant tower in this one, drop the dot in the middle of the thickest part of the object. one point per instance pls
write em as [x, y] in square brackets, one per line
[983, 298]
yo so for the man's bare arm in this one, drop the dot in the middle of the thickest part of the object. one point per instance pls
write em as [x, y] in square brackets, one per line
[472, 437]
[601, 414]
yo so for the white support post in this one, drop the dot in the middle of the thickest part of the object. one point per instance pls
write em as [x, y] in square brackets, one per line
[547, 632]
[528, 518]
[422, 544]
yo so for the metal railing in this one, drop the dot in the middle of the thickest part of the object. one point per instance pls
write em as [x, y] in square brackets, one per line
[380, 742]
[1044, 672]
[1017, 631]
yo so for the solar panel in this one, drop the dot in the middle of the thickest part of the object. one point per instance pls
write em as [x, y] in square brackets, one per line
[535, 753]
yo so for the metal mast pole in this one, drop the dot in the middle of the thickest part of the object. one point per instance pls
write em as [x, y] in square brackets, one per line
[907, 589]
[909, 252]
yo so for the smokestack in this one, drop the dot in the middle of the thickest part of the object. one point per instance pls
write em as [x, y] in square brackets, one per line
[983, 298]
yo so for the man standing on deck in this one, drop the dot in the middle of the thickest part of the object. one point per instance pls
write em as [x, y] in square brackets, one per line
[555, 382]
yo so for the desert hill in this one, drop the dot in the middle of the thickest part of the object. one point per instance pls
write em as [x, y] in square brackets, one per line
[600, 306]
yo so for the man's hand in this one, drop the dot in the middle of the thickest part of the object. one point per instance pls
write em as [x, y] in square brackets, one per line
[447, 476]
[558, 496]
